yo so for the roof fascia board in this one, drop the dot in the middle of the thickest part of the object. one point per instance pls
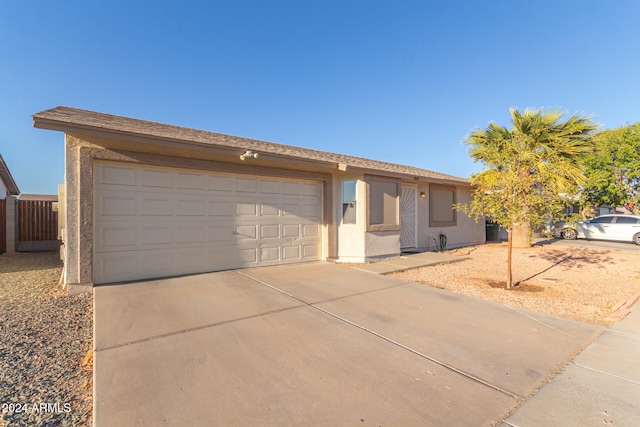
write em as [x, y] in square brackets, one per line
[169, 142]
[421, 179]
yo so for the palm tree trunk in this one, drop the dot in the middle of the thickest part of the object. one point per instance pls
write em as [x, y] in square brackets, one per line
[509, 251]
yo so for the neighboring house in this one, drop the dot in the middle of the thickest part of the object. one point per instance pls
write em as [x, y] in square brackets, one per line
[146, 200]
[8, 192]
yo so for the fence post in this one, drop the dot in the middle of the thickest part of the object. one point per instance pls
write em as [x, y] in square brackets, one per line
[12, 230]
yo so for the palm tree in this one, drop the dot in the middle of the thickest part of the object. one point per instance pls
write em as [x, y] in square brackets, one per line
[529, 167]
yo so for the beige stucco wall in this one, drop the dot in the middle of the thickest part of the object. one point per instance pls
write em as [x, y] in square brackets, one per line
[382, 244]
[466, 231]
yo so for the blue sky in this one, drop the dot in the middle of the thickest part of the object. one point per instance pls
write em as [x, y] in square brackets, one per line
[400, 81]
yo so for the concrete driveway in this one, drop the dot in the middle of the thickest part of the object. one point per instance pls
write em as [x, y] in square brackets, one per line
[316, 344]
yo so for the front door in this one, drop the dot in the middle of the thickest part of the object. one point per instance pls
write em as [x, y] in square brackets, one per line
[408, 216]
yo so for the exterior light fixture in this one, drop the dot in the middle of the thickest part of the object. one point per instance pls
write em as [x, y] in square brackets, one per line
[249, 153]
[423, 194]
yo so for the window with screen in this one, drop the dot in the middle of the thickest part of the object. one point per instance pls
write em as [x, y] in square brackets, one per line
[349, 202]
[441, 201]
[384, 205]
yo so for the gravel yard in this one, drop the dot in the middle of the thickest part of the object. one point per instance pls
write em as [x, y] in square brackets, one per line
[45, 336]
[576, 283]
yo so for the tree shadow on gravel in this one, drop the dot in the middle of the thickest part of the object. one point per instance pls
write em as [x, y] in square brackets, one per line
[568, 260]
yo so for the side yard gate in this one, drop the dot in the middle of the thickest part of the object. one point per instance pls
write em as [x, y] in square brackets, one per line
[37, 225]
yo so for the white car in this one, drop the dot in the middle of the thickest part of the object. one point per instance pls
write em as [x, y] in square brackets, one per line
[622, 228]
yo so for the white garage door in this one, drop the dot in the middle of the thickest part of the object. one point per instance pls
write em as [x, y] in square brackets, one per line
[156, 222]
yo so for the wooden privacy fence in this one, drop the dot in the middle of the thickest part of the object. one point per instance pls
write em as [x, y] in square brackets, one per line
[3, 226]
[36, 221]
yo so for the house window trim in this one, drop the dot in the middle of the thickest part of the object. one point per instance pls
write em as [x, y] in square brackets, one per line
[432, 222]
[382, 227]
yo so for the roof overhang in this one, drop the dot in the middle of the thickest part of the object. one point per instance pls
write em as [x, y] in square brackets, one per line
[83, 122]
[6, 177]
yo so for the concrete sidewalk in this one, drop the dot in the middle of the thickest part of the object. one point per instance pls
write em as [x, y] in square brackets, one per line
[409, 260]
[600, 387]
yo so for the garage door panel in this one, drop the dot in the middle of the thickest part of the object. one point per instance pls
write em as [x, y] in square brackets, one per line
[311, 210]
[311, 189]
[290, 253]
[112, 205]
[115, 268]
[244, 232]
[310, 252]
[291, 188]
[117, 175]
[155, 222]
[268, 254]
[156, 207]
[191, 234]
[289, 209]
[221, 234]
[247, 256]
[246, 185]
[269, 210]
[246, 209]
[222, 208]
[291, 230]
[190, 181]
[222, 184]
[270, 231]
[117, 237]
[178, 262]
[310, 230]
[268, 186]
[156, 236]
[190, 207]
[156, 178]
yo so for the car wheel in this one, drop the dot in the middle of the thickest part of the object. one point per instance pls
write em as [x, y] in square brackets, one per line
[636, 239]
[569, 234]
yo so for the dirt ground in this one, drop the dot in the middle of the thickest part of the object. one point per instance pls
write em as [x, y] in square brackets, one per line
[582, 284]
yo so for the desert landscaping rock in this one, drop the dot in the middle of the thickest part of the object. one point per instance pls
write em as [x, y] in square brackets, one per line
[44, 337]
[575, 283]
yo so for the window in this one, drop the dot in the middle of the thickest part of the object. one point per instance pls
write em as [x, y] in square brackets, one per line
[602, 220]
[626, 220]
[384, 205]
[349, 202]
[441, 201]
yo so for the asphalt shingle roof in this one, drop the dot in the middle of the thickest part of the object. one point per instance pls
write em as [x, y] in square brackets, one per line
[76, 120]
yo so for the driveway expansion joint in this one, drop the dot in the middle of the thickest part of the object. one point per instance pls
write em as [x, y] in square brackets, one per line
[606, 373]
[467, 375]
